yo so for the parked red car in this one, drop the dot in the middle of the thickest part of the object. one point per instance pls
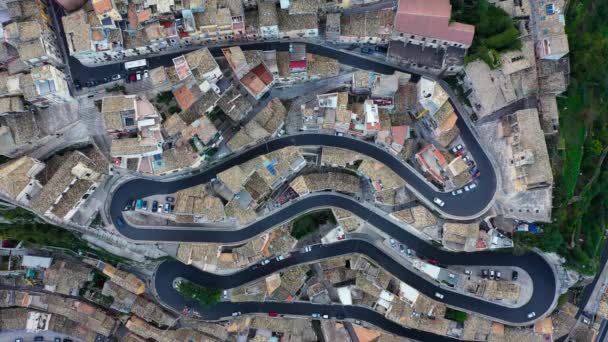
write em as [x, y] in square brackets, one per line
[273, 314]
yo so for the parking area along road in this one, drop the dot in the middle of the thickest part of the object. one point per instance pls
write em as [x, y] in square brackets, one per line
[469, 204]
[540, 303]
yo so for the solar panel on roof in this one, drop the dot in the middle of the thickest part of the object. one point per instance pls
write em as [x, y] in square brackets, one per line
[550, 9]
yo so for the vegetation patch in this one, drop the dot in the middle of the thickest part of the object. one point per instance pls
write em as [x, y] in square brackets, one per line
[455, 315]
[164, 97]
[309, 223]
[117, 88]
[580, 214]
[495, 31]
[29, 228]
[204, 295]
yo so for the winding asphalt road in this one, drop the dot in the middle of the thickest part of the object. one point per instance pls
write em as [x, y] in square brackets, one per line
[540, 272]
[472, 203]
[467, 206]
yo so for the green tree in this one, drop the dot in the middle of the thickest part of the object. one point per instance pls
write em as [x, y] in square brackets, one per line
[455, 315]
[204, 295]
[495, 30]
[595, 148]
[309, 223]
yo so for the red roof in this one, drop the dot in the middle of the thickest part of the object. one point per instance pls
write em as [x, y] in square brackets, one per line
[71, 5]
[184, 97]
[263, 73]
[167, 24]
[102, 6]
[431, 18]
[132, 16]
[297, 64]
[372, 126]
[399, 134]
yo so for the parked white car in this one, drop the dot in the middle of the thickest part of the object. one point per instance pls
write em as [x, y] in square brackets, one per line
[456, 192]
[470, 187]
[438, 295]
[438, 201]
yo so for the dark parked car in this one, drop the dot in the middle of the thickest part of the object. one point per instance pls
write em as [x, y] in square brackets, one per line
[127, 206]
[381, 49]
[514, 276]
[154, 206]
[367, 50]
[170, 199]
[119, 222]
[39, 338]
[484, 273]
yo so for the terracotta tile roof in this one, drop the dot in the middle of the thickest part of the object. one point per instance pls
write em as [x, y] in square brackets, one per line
[234, 104]
[378, 172]
[239, 140]
[268, 13]
[187, 95]
[322, 66]
[202, 60]
[366, 335]
[117, 103]
[131, 146]
[299, 22]
[399, 134]
[59, 179]
[71, 197]
[243, 216]
[14, 175]
[272, 116]
[431, 18]
[66, 277]
[336, 181]
[102, 6]
[233, 178]
[132, 16]
[257, 80]
[144, 15]
[173, 125]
